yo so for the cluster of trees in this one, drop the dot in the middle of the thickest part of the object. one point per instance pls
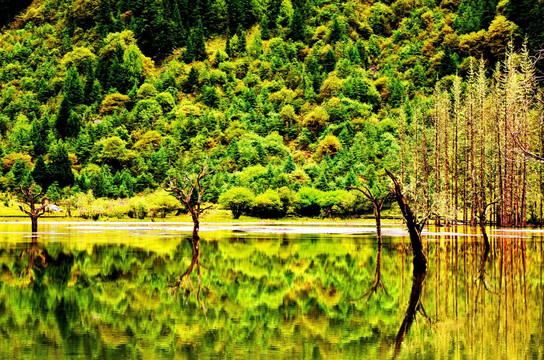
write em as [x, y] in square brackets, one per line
[288, 96]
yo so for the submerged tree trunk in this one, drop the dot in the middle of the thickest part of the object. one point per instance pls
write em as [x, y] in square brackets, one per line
[414, 228]
[378, 217]
[419, 262]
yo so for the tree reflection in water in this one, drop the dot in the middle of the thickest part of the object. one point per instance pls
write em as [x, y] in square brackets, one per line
[377, 283]
[413, 306]
[34, 251]
[185, 278]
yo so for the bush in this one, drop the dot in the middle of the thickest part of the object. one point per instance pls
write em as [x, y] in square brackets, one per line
[268, 205]
[307, 202]
[238, 200]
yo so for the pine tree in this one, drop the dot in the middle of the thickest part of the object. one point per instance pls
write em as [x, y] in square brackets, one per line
[273, 13]
[297, 30]
[196, 45]
[447, 63]
[40, 173]
[469, 16]
[329, 62]
[60, 167]
[241, 47]
[104, 20]
[210, 96]
[43, 90]
[336, 33]
[38, 133]
[61, 121]
[73, 87]
[199, 44]
[191, 82]
[265, 28]
[228, 47]
[289, 166]
[89, 83]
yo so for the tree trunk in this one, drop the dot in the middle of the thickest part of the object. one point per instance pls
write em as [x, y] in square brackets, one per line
[34, 221]
[378, 216]
[414, 229]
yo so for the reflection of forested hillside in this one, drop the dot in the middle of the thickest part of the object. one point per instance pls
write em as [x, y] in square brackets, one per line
[283, 295]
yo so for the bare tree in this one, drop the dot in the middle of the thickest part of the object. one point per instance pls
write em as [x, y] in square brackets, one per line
[190, 190]
[36, 202]
[377, 204]
[414, 225]
[419, 261]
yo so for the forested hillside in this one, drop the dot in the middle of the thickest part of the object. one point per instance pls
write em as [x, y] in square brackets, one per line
[291, 101]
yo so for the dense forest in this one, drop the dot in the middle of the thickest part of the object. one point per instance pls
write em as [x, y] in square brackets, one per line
[291, 102]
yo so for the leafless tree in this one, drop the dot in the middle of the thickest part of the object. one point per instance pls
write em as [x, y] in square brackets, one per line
[189, 189]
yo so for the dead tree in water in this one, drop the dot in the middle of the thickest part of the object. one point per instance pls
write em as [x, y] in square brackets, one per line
[190, 190]
[419, 261]
[482, 222]
[377, 204]
[414, 226]
[31, 197]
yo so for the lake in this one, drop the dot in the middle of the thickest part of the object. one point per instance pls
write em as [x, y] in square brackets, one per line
[111, 291]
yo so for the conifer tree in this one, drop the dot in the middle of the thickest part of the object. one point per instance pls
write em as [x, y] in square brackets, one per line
[297, 30]
[336, 33]
[265, 28]
[40, 173]
[329, 62]
[241, 47]
[228, 47]
[273, 13]
[61, 122]
[289, 166]
[447, 63]
[73, 87]
[104, 20]
[38, 133]
[192, 81]
[60, 167]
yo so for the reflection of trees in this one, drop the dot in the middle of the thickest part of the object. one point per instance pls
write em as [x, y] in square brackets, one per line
[413, 306]
[33, 251]
[282, 292]
[185, 278]
[377, 282]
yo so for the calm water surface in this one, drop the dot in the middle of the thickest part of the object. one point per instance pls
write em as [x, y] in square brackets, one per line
[80, 291]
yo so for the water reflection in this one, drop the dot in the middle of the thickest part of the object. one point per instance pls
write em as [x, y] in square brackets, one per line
[33, 252]
[185, 279]
[268, 296]
[414, 306]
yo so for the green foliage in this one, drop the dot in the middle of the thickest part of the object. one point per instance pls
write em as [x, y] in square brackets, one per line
[129, 90]
[238, 200]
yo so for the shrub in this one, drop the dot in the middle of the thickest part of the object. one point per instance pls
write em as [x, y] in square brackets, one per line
[238, 200]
